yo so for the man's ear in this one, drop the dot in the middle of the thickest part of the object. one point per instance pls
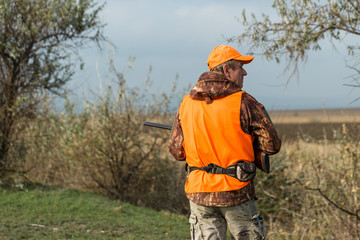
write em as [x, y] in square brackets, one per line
[226, 70]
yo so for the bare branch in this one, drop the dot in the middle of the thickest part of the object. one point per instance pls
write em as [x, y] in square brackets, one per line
[355, 214]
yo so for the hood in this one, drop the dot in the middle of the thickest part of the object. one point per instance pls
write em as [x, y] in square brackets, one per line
[211, 86]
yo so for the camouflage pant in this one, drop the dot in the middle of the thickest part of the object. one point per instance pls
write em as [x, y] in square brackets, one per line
[244, 222]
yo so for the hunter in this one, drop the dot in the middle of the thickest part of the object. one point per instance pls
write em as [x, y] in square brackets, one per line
[218, 128]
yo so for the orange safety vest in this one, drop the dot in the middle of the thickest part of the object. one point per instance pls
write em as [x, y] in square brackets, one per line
[213, 134]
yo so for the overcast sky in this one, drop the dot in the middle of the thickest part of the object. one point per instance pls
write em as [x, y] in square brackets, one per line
[176, 37]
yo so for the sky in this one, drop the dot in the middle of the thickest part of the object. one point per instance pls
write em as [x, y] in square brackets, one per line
[176, 37]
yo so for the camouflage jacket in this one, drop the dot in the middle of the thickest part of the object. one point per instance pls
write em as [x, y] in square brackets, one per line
[254, 119]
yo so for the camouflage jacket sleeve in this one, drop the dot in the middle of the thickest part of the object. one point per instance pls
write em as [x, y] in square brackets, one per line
[256, 121]
[176, 140]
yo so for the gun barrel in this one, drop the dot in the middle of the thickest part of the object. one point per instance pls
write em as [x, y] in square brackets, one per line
[157, 125]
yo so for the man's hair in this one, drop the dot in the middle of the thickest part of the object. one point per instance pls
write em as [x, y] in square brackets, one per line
[219, 68]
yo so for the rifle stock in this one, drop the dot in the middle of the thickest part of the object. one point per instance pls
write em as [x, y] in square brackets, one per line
[261, 158]
[262, 161]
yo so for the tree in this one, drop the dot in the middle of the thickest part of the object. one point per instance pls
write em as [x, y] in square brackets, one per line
[300, 29]
[38, 40]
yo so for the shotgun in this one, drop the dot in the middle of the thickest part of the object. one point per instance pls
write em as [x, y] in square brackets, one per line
[262, 160]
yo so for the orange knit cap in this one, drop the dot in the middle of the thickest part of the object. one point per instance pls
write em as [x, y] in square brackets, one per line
[223, 53]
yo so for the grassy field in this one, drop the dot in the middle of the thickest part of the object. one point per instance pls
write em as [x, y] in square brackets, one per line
[57, 213]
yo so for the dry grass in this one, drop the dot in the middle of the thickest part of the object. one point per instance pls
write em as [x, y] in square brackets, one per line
[315, 188]
[313, 191]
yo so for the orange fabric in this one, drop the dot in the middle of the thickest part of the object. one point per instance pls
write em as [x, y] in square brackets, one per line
[213, 134]
[223, 53]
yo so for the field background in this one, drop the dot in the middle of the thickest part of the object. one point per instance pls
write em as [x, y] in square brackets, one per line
[317, 124]
[83, 181]
[349, 115]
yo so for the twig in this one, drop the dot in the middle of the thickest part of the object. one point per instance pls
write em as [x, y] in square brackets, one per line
[351, 85]
[356, 213]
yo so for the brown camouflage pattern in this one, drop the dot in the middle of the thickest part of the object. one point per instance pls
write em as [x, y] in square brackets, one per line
[211, 86]
[254, 119]
[223, 199]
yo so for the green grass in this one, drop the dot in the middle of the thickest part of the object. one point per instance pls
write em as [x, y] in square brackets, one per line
[43, 213]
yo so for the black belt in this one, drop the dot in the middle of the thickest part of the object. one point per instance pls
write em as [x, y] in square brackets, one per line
[243, 171]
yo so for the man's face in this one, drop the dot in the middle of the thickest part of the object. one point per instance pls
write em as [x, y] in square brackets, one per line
[236, 74]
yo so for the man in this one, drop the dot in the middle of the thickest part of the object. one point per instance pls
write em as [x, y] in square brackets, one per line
[219, 127]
